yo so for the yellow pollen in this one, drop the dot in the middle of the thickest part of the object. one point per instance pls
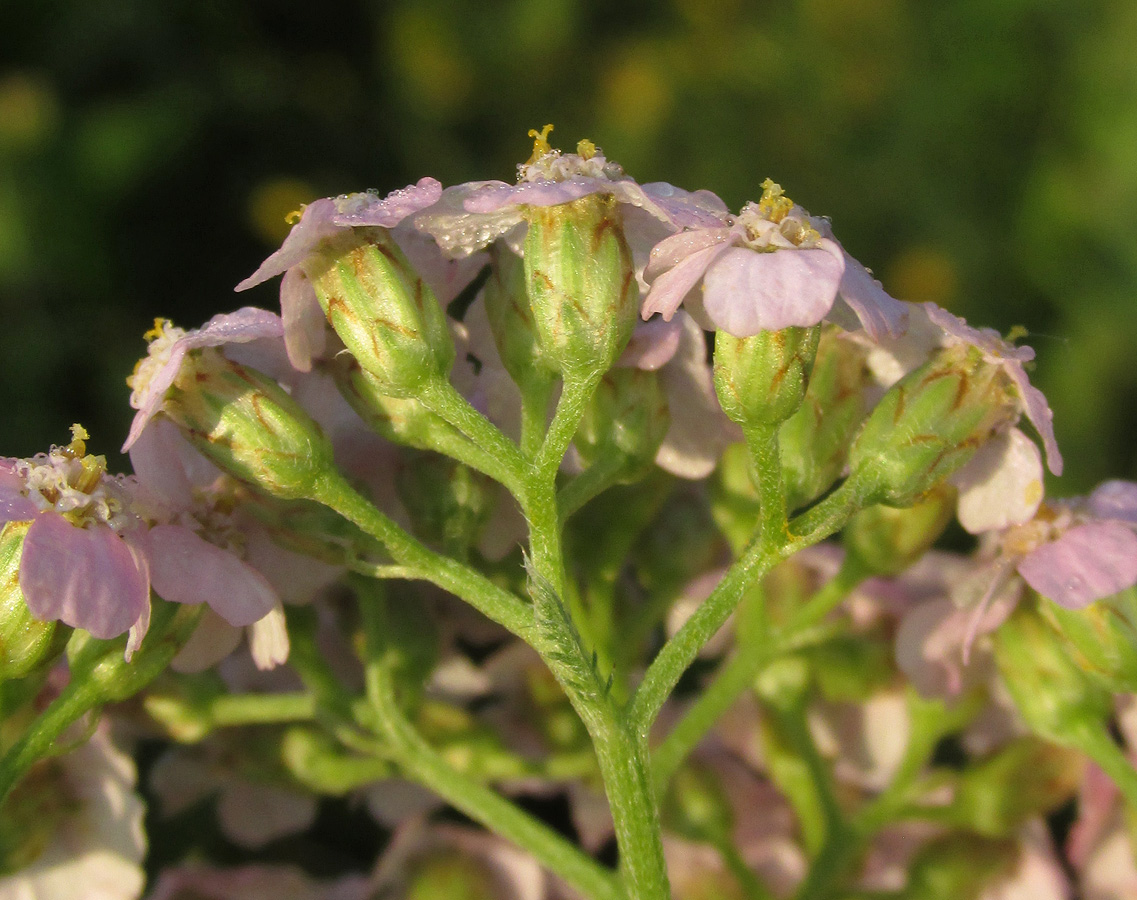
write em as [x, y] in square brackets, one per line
[540, 143]
[78, 446]
[1017, 333]
[293, 217]
[774, 204]
[586, 149]
[156, 332]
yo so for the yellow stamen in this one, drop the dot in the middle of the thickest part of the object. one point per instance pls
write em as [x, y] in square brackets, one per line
[156, 332]
[293, 217]
[586, 149]
[1017, 333]
[540, 143]
[78, 446]
[774, 204]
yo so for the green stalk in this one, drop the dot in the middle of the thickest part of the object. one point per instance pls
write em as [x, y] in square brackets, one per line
[444, 400]
[414, 557]
[420, 761]
[621, 751]
[100, 675]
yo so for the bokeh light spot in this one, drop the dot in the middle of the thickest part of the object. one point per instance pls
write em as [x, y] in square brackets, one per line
[270, 204]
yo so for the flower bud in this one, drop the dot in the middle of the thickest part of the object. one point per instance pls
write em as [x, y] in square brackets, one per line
[511, 319]
[582, 287]
[761, 380]
[248, 425]
[25, 642]
[385, 314]
[447, 501]
[1101, 639]
[929, 424]
[1056, 699]
[401, 420]
[886, 540]
[627, 419]
[815, 439]
[959, 865]
[1022, 780]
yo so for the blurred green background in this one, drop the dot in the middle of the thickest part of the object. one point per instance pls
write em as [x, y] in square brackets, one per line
[979, 153]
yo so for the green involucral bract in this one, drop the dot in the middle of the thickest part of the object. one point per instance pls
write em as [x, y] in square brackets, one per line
[582, 289]
[929, 424]
[248, 425]
[761, 380]
[382, 310]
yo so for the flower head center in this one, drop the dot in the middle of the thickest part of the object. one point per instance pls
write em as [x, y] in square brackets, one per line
[69, 481]
[549, 164]
[775, 222]
[162, 337]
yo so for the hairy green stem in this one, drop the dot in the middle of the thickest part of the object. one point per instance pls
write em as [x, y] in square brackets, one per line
[443, 399]
[473, 587]
[421, 762]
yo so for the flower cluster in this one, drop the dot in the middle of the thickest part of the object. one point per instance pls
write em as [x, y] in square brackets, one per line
[509, 461]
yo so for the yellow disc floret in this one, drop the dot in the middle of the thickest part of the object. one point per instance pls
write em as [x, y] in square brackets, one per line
[540, 143]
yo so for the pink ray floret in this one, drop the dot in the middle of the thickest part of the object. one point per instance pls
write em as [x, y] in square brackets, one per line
[1092, 553]
[999, 352]
[157, 372]
[772, 267]
[96, 543]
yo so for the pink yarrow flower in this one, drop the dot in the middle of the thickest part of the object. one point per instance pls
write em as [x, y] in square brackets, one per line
[304, 328]
[1082, 550]
[157, 371]
[470, 216]
[772, 267]
[1001, 485]
[96, 544]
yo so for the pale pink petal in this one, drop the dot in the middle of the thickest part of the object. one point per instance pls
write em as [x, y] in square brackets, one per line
[493, 197]
[85, 577]
[461, 233]
[1115, 500]
[253, 815]
[305, 326]
[447, 277]
[137, 632]
[168, 466]
[1111, 873]
[249, 323]
[880, 314]
[686, 209]
[1086, 563]
[986, 340]
[1039, 413]
[745, 292]
[186, 569]
[653, 344]
[14, 506]
[296, 578]
[268, 640]
[669, 288]
[211, 642]
[1001, 485]
[246, 324]
[317, 223]
[1096, 798]
[154, 393]
[699, 431]
[369, 209]
[672, 250]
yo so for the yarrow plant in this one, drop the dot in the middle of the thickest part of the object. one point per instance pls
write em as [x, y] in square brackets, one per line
[573, 488]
